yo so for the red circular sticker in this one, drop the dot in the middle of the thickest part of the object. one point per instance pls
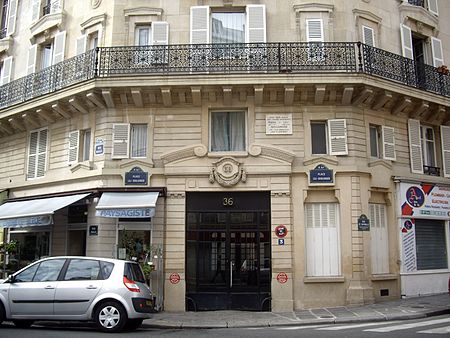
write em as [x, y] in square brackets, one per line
[174, 278]
[281, 231]
[282, 277]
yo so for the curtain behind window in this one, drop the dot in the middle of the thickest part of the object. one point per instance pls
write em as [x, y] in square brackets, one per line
[227, 131]
[138, 140]
[228, 27]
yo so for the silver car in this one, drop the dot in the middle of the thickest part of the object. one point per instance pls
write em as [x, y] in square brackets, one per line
[110, 292]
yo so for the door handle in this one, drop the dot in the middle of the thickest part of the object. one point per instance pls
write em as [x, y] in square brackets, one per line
[91, 287]
[49, 287]
[231, 273]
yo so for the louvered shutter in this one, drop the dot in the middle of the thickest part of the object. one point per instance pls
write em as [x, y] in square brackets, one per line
[81, 44]
[415, 146]
[200, 25]
[379, 241]
[12, 16]
[368, 36]
[160, 33]
[433, 7]
[438, 55]
[314, 30]
[388, 137]
[55, 6]
[37, 153]
[35, 10]
[256, 23]
[445, 142]
[74, 144]
[60, 44]
[406, 37]
[121, 139]
[5, 76]
[337, 137]
[42, 153]
[32, 55]
[32, 155]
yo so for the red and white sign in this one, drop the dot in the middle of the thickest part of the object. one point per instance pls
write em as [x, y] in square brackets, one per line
[281, 231]
[282, 277]
[174, 278]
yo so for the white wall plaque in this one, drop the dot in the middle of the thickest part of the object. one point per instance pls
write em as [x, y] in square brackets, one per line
[279, 124]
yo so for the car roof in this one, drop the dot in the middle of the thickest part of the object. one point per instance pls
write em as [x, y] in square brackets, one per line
[112, 260]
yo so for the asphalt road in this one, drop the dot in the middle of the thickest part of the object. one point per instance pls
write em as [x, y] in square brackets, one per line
[438, 326]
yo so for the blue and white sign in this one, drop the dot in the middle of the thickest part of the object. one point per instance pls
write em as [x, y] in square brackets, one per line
[321, 175]
[280, 241]
[136, 176]
[21, 222]
[99, 146]
[126, 213]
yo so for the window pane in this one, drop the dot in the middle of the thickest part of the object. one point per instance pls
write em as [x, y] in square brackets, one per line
[318, 138]
[82, 269]
[431, 245]
[227, 131]
[86, 144]
[46, 56]
[49, 270]
[27, 275]
[228, 27]
[373, 141]
[143, 36]
[138, 140]
[106, 268]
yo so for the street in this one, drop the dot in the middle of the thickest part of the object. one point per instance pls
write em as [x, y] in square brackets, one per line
[438, 326]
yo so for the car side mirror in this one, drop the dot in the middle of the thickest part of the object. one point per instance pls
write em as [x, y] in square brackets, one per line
[11, 279]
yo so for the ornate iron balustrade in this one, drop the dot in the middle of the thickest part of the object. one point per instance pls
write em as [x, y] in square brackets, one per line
[420, 3]
[394, 67]
[262, 58]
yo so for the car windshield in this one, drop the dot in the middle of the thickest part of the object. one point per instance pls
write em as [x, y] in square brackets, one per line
[134, 272]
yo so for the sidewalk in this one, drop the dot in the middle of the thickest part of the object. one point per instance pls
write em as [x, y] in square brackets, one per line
[402, 309]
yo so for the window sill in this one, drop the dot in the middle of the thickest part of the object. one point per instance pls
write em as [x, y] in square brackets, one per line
[218, 154]
[331, 279]
[383, 277]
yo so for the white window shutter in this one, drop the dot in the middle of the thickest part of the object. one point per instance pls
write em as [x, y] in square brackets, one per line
[438, 55]
[55, 6]
[74, 144]
[5, 76]
[37, 153]
[42, 153]
[32, 154]
[388, 137]
[337, 137]
[445, 141]
[379, 241]
[433, 7]
[415, 146]
[60, 45]
[256, 24]
[32, 55]
[81, 44]
[368, 36]
[199, 25]
[314, 30]
[35, 10]
[121, 139]
[12, 16]
[406, 37]
[160, 33]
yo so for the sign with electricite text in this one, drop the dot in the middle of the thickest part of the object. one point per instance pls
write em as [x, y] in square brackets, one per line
[425, 201]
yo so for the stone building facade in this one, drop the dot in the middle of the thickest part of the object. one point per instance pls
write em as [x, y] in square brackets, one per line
[261, 155]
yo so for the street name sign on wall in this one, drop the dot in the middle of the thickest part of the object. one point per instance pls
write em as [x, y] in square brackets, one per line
[321, 175]
[136, 176]
[363, 223]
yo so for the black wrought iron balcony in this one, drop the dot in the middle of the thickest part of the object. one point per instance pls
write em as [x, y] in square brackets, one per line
[420, 3]
[256, 58]
[432, 171]
[2, 33]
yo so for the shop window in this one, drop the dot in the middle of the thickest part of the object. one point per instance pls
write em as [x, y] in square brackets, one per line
[379, 242]
[322, 240]
[37, 153]
[129, 140]
[329, 137]
[431, 245]
[382, 142]
[134, 242]
[228, 131]
[33, 245]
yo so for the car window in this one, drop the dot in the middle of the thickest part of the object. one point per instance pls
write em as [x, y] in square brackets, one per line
[48, 270]
[134, 272]
[27, 274]
[82, 269]
[107, 268]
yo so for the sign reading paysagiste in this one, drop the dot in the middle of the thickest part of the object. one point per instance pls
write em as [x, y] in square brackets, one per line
[126, 213]
[425, 201]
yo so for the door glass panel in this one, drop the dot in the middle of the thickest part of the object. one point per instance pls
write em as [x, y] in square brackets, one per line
[212, 220]
[244, 258]
[49, 270]
[211, 265]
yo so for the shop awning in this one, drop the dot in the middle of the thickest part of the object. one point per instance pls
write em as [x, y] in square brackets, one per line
[34, 212]
[127, 204]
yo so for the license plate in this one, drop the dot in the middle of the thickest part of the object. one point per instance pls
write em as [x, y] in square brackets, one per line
[149, 303]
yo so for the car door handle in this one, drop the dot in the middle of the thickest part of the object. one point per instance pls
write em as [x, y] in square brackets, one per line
[91, 287]
[49, 287]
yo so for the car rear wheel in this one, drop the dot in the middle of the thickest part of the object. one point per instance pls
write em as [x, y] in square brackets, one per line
[110, 317]
[23, 324]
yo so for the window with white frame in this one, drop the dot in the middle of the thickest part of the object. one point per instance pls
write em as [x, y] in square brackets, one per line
[46, 54]
[6, 70]
[8, 17]
[315, 39]
[129, 140]
[368, 35]
[228, 131]
[428, 146]
[382, 142]
[227, 27]
[40, 8]
[79, 146]
[379, 242]
[37, 153]
[431, 5]
[322, 240]
[329, 137]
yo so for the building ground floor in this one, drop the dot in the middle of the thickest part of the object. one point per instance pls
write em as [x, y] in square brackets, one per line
[239, 237]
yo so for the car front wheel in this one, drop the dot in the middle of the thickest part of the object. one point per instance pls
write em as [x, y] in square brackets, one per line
[110, 317]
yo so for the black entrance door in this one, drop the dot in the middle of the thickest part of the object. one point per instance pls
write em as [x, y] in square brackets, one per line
[228, 252]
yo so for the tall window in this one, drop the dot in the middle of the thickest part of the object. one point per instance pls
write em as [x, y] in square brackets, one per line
[3, 18]
[37, 153]
[322, 240]
[138, 140]
[46, 56]
[143, 35]
[228, 131]
[318, 138]
[227, 27]
[129, 140]
[329, 137]
[428, 146]
[374, 141]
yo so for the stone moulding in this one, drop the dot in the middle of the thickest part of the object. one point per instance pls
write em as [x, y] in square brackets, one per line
[271, 152]
[227, 172]
[196, 150]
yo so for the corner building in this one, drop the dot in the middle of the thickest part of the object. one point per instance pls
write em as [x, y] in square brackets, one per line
[262, 155]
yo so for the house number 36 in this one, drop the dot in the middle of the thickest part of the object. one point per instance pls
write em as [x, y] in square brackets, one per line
[227, 201]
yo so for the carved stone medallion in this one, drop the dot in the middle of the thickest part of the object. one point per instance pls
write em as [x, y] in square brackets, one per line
[227, 172]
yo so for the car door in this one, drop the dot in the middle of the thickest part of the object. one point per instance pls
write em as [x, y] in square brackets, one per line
[78, 287]
[32, 291]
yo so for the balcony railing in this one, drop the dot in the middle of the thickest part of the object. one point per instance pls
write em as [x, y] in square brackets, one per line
[259, 58]
[420, 3]
[2, 32]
